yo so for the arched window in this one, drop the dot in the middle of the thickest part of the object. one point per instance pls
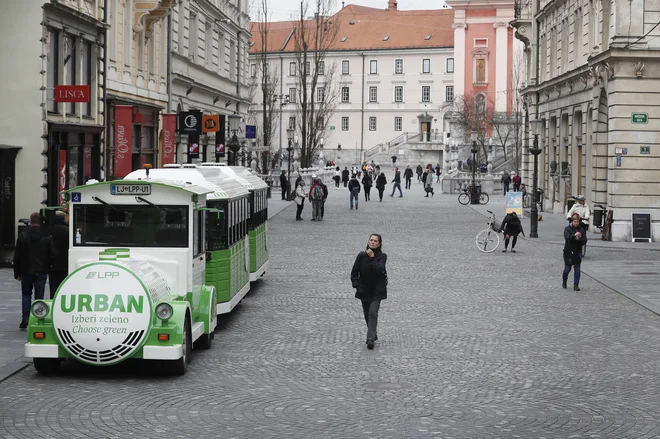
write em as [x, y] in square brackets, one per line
[480, 104]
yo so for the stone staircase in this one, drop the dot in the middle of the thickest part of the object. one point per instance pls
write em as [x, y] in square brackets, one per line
[409, 148]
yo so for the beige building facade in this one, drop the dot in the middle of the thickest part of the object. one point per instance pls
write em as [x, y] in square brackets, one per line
[594, 72]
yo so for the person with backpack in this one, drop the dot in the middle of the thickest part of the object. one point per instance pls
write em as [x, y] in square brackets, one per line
[506, 180]
[354, 190]
[300, 199]
[367, 182]
[316, 198]
[381, 181]
[344, 176]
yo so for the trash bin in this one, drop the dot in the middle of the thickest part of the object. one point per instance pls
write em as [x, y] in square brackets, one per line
[597, 218]
[475, 194]
[570, 202]
[539, 198]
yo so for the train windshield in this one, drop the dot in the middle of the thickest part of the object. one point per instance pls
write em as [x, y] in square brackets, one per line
[130, 225]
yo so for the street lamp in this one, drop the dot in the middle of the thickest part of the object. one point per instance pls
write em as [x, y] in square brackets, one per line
[234, 146]
[537, 125]
[474, 196]
[289, 148]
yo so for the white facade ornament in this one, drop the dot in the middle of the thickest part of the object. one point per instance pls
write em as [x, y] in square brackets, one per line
[639, 67]
[459, 26]
[500, 24]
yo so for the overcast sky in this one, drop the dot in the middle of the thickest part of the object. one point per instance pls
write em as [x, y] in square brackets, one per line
[285, 9]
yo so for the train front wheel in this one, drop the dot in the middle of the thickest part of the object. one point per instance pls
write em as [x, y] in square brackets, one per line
[47, 366]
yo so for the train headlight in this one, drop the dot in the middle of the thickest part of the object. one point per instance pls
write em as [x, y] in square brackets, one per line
[40, 309]
[164, 311]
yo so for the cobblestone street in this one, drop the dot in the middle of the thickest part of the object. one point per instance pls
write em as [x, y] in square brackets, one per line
[471, 345]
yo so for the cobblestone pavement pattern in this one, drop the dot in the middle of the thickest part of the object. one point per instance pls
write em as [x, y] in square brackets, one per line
[471, 345]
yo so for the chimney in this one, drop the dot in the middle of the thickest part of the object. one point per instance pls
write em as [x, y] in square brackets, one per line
[391, 5]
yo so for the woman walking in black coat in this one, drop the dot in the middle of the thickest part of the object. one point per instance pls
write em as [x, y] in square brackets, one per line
[369, 278]
[512, 227]
[367, 182]
[381, 181]
[575, 238]
[344, 176]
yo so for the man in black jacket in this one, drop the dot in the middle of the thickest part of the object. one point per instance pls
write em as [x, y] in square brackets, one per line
[58, 252]
[397, 182]
[31, 264]
[344, 176]
[354, 190]
[284, 184]
[408, 174]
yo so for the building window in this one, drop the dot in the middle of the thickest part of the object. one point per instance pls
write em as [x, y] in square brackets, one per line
[320, 94]
[480, 102]
[373, 67]
[292, 69]
[292, 95]
[292, 122]
[398, 122]
[373, 94]
[321, 68]
[450, 65]
[345, 94]
[70, 62]
[345, 67]
[86, 55]
[426, 93]
[372, 124]
[308, 68]
[128, 33]
[52, 68]
[480, 68]
[344, 123]
[253, 70]
[398, 93]
[398, 66]
[449, 93]
[481, 42]
[426, 65]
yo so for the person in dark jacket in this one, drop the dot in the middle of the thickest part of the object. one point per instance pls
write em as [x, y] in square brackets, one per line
[298, 180]
[506, 180]
[284, 184]
[345, 175]
[512, 227]
[420, 171]
[381, 181]
[58, 252]
[367, 182]
[31, 264]
[575, 238]
[369, 278]
[354, 190]
[408, 174]
[397, 182]
[325, 197]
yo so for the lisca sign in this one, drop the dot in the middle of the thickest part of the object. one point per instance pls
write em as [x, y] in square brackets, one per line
[72, 93]
[640, 117]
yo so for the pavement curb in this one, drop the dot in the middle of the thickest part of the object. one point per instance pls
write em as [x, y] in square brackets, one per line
[13, 368]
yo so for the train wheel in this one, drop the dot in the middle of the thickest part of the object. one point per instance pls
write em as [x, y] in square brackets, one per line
[180, 366]
[204, 341]
[47, 366]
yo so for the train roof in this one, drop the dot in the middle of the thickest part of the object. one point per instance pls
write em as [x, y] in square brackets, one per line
[186, 186]
[220, 186]
[241, 174]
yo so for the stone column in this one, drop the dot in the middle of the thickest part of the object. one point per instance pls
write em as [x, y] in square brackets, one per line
[459, 58]
[502, 64]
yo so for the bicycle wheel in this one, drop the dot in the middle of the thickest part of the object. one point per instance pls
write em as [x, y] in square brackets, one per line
[487, 241]
[483, 198]
[464, 198]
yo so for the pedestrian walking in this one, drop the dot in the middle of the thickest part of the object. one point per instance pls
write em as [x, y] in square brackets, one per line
[428, 185]
[367, 182]
[300, 199]
[516, 180]
[381, 181]
[344, 176]
[31, 265]
[284, 184]
[575, 237]
[337, 177]
[298, 180]
[58, 251]
[315, 197]
[506, 180]
[325, 197]
[511, 227]
[369, 278]
[420, 171]
[354, 191]
[376, 172]
[397, 183]
[438, 172]
[408, 174]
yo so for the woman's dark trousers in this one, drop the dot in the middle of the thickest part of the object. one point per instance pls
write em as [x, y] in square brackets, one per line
[371, 317]
[513, 244]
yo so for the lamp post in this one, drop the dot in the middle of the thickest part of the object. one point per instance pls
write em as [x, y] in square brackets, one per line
[474, 196]
[289, 148]
[234, 146]
[536, 125]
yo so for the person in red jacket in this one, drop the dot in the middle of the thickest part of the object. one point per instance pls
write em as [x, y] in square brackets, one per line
[516, 182]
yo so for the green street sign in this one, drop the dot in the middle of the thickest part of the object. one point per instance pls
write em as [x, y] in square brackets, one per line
[331, 127]
[640, 118]
[645, 150]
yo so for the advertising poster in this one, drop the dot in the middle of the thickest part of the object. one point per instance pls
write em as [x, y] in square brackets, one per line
[167, 139]
[123, 140]
[193, 146]
[514, 202]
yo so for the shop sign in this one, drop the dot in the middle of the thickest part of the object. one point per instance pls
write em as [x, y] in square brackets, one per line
[210, 124]
[193, 146]
[220, 139]
[167, 138]
[71, 93]
[123, 140]
[645, 150]
[190, 122]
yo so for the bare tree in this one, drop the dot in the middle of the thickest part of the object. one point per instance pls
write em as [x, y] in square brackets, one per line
[317, 95]
[473, 112]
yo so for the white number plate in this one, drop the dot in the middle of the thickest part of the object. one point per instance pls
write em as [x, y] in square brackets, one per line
[130, 189]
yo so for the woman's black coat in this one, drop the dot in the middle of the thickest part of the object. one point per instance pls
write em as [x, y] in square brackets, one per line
[369, 276]
[511, 225]
[367, 182]
[572, 246]
[344, 175]
[381, 181]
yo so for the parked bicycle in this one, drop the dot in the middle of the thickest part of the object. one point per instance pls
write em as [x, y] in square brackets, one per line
[464, 197]
[489, 238]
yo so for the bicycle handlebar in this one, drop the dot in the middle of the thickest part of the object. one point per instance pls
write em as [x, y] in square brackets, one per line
[490, 212]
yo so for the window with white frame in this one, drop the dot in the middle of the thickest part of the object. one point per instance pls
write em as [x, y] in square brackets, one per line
[426, 65]
[398, 66]
[253, 70]
[450, 65]
[345, 94]
[373, 94]
[292, 95]
[372, 124]
[345, 67]
[320, 94]
[426, 93]
[373, 67]
[308, 68]
[321, 68]
[292, 69]
[398, 93]
[292, 122]
[398, 122]
[449, 93]
[344, 123]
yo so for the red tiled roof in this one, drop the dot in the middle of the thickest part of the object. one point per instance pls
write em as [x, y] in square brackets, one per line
[405, 29]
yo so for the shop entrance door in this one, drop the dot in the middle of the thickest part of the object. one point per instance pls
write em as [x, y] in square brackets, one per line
[8, 225]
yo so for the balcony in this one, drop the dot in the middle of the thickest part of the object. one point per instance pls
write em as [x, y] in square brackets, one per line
[523, 21]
